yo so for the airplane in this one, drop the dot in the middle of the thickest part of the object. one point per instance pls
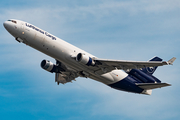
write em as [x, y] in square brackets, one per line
[72, 62]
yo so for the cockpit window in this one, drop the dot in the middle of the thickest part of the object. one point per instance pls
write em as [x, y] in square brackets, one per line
[12, 21]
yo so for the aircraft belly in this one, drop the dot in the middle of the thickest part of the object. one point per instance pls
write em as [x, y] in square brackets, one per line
[127, 85]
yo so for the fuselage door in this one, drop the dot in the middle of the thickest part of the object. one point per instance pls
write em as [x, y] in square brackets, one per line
[23, 33]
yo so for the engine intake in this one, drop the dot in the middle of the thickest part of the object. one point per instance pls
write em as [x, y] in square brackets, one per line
[84, 59]
[49, 66]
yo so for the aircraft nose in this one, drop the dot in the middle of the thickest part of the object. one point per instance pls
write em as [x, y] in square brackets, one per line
[6, 25]
[10, 27]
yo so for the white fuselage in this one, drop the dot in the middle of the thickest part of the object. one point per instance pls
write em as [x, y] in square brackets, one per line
[59, 50]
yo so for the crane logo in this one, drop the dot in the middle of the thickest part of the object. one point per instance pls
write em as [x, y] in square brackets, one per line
[150, 69]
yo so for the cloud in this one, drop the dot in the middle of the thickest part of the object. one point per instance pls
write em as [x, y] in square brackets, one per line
[119, 19]
[100, 10]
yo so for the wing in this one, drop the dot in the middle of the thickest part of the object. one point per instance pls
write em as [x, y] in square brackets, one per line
[64, 74]
[108, 65]
[65, 77]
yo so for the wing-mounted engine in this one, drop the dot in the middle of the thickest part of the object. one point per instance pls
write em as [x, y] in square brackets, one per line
[62, 73]
[85, 59]
[49, 66]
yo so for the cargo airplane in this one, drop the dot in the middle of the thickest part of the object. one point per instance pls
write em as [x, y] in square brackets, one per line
[72, 62]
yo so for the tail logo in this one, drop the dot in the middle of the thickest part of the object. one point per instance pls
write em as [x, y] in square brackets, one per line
[150, 69]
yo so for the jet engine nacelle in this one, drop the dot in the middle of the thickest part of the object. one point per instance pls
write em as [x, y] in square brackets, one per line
[49, 66]
[84, 59]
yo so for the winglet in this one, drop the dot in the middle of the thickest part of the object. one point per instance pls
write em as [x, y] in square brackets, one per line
[170, 62]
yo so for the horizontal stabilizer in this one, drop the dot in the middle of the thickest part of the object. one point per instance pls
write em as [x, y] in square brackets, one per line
[148, 86]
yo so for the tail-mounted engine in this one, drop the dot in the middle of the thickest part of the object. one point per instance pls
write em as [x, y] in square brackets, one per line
[84, 59]
[49, 66]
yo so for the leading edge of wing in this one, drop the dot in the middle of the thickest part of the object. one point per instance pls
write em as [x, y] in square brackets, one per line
[122, 62]
[132, 64]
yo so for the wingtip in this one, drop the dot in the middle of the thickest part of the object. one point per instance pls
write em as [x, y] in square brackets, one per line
[168, 84]
[170, 62]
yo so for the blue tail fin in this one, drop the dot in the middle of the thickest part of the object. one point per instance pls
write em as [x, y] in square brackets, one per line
[151, 70]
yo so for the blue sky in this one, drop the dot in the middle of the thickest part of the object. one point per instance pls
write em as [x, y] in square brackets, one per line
[112, 29]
